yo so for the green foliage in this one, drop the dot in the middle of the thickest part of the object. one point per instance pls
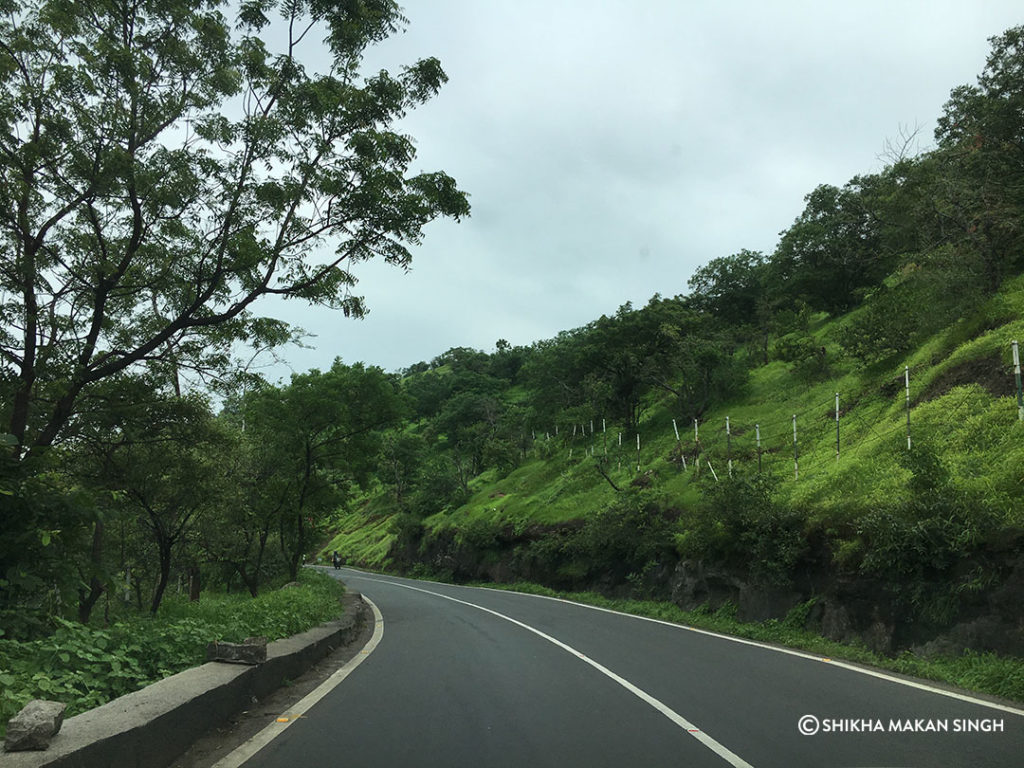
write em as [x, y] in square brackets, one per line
[619, 543]
[85, 666]
[808, 358]
[740, 523]
[438, 487]
[406, 529]
[830, 255]
[731, 288]
[138, 262]
[916, 545]
[210, 227]
[979, 135]
[624, 537]
[985, 672]
[890, 323]
[323, 434]
[46, 522]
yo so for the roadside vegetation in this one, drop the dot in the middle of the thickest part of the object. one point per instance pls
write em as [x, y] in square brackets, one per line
[86, 665]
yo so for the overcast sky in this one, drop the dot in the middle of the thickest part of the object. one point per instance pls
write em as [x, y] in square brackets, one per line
[612, 148]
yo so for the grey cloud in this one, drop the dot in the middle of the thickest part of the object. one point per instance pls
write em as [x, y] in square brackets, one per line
[611, 148]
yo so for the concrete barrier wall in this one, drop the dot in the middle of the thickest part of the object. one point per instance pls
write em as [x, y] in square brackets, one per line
[152, 727]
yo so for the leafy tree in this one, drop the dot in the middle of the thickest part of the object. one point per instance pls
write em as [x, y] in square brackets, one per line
[428, 391]
[44, 517]
[740, 523]
[608, 366]
[239, 539]
[624, 539]
[161, 170]
[731, 288]
[507, 360]
[916, 545]
[437, 486]
[469, 421]
[401, 454]
[981, 136]
[324, 432]
[166, 467]
[462, 359]
[552, 373]
[830, 254]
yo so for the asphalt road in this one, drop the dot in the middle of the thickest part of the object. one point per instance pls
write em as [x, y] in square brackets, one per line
[472, 677]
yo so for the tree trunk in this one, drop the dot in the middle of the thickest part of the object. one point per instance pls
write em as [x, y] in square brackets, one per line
[194, 583]
[165, 574]
[87, 600]
[251, 581]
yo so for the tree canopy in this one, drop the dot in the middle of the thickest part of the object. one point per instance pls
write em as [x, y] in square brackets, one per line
[163, 167]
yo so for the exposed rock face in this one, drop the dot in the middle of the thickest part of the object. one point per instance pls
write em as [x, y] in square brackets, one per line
[848, 611]
[758, 602]
[694, 584]
[34, 726]
[252, 651]
[848, 604]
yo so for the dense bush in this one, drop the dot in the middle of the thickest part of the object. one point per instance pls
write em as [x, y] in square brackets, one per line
[916, 545]
[624, 539]
[739, 523]
[807, 357]
[85, 666]
[889, 325]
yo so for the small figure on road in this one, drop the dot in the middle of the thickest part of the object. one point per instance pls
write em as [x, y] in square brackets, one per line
[336, 559]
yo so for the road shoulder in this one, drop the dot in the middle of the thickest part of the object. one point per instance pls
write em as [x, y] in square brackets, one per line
[224, 738]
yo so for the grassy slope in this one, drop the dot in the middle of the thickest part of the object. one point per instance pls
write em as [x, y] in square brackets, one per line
[976, 434]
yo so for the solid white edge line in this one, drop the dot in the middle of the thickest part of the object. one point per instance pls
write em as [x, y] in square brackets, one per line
[689, 728]
[757, 644]
[789, 651]
[246, 750]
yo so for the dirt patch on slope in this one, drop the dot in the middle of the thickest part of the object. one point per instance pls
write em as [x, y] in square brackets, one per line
[990, 372]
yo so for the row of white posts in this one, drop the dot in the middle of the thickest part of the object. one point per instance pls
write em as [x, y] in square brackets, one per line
[796, 446]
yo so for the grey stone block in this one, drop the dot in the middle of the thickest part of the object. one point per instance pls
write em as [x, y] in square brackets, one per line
[34, 727]
[252, 651]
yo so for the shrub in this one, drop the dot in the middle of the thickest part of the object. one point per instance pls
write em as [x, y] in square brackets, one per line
[914, 546]
[739, 523]
[624, 538]
[807, 357]
[85, 666]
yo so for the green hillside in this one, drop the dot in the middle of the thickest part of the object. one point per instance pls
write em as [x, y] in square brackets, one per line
[891, 517]
[963, 408]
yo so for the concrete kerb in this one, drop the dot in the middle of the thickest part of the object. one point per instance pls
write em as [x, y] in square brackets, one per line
[153, 726]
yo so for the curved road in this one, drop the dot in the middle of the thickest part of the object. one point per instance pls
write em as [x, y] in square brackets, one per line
[475, 677]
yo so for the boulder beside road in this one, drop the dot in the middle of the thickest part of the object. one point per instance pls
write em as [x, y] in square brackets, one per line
[34, 726]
